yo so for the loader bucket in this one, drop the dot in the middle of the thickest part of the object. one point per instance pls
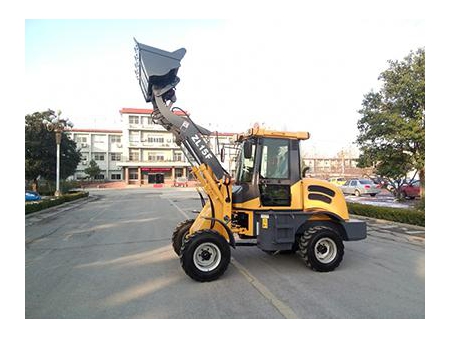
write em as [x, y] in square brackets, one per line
[157, 69]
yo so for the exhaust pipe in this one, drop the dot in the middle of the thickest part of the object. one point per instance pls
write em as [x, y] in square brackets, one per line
[156, 71]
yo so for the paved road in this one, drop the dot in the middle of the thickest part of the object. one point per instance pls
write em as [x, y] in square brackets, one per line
[110, 256]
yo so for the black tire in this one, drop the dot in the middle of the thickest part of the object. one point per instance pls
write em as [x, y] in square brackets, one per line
[179, 235]
[357, 193]
[321, 248]
[205, 255]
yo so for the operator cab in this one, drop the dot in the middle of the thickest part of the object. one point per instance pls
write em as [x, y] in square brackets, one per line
[268, 164]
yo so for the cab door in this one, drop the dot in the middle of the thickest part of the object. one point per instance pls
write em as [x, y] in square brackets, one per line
[275, 172]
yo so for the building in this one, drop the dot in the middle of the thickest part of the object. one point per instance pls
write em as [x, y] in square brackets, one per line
[103, 146]
[325, 167]
[150, 154]
[142, 152]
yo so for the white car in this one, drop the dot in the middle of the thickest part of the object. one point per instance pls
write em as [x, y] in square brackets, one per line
[361, 186]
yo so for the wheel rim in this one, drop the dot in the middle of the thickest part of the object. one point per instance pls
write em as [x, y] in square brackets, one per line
[325, 250]
[207, 257]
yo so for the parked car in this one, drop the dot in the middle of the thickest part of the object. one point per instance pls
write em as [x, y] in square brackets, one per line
[337, 180]
[360, 186]
[32, 196]
[382, 183]
[410, 190]
[181, 182]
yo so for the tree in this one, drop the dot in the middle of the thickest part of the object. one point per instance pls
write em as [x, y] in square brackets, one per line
[92, 170]
[40, 151]
[392, 127]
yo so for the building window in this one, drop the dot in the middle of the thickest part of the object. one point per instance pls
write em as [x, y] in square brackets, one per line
[134, 155]
[155, 157]
[99, 156]
[84, 156]
[116, 139]
[81, 139]
[134, 136]
[156, 139]
[133, 119]
[177, 157]
[133, 176]
[98, 138]
[115, 156]
[99, 177]
[146, 120]
[116, 176]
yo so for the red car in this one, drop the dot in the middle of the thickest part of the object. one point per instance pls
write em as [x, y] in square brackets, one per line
[411, 190]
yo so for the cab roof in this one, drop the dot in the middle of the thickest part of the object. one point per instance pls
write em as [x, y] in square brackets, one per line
[262, 132]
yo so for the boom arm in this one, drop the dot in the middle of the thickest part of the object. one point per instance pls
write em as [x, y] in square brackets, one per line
[156, 71]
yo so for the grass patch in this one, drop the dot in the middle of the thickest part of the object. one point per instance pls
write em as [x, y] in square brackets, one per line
[51, 202]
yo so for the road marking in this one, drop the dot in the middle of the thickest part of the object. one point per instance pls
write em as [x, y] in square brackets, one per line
[282, 307]
[178, 208]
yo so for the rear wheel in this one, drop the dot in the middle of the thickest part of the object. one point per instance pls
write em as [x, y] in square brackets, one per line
[321, 248]
[205, 255]
[179, 234]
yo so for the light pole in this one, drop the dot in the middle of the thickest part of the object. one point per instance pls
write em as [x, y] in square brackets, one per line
[55, 123]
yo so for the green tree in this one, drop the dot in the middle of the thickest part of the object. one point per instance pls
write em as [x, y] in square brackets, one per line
[392, 124]
[40, 151]
[92, 170]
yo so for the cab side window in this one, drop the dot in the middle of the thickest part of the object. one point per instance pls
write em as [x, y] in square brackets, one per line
[275, 159]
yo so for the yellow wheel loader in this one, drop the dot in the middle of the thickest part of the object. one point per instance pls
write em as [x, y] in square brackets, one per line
[268, 203]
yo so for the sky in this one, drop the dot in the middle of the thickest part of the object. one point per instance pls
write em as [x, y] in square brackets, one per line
[296, 75]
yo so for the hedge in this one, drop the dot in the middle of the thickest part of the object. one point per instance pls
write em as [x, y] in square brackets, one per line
[47, 203]
[409, 216]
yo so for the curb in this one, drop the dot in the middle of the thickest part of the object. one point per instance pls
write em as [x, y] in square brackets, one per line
[384, 221]
[412, 233]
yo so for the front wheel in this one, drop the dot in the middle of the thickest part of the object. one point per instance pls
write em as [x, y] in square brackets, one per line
[321, 248]
[205, 255]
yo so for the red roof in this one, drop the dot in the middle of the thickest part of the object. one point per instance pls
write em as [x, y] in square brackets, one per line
[136, 111]
[145, 111]
[95, 131]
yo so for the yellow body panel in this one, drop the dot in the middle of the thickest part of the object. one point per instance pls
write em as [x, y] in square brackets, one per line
[201, 223]
[338, 205]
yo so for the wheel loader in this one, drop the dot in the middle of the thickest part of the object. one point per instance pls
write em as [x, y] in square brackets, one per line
[268, 202]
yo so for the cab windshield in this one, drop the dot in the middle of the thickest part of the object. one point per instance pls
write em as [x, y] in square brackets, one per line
[245, 166]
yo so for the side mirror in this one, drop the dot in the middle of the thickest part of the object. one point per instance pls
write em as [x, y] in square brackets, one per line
[222, 154]
[247, 149]
[305, 169]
